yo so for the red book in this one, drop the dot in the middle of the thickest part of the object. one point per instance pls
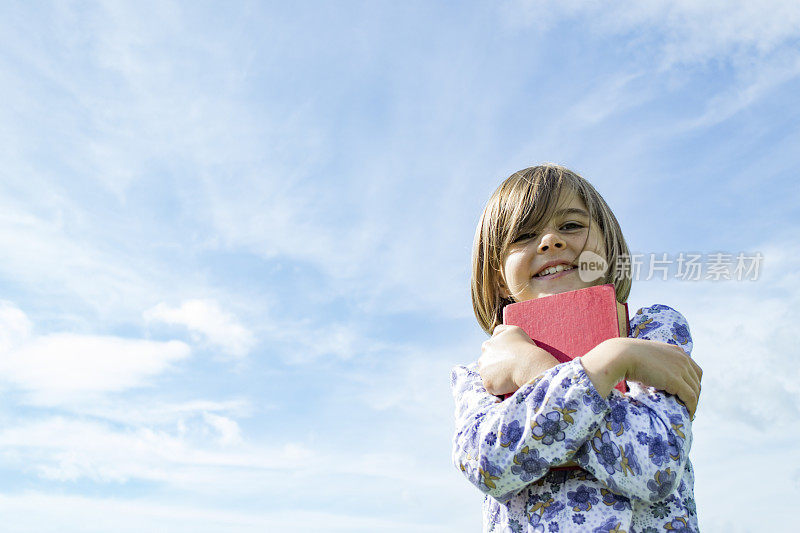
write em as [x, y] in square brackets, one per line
[571, 323]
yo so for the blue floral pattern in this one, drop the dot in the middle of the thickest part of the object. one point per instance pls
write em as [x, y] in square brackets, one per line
[632, 448]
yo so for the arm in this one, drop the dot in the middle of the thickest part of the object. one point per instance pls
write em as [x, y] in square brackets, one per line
[502, 447]
[642, 444]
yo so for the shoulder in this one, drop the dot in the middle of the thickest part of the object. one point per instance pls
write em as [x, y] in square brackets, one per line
[661, 323]
[663, 313]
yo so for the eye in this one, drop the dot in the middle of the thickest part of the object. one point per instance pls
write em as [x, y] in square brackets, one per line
[569, 226]
[525, 237]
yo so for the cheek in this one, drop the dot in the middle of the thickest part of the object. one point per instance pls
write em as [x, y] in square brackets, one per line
[515, 267]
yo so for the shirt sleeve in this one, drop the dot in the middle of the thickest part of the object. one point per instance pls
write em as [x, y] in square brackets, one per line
[643, 442]
[503, 446]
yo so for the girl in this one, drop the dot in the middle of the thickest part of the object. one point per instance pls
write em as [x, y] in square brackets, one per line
[567, 451]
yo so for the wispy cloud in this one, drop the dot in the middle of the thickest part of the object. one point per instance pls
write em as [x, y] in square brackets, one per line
[160, 412]
[754, 84]
[61, 448]
[680, 32]
[669, 43]
[37, 511]
[206, 319]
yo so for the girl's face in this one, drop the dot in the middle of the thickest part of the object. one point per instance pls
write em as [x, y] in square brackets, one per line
[560, 241]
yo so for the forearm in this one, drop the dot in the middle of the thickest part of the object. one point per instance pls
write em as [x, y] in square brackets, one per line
[535, 363]
[605, 365]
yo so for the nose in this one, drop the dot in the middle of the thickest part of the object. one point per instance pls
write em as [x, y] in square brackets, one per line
[551, 239]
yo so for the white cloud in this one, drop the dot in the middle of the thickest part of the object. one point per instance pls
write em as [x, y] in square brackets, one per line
[204, 317]
[65, 364]
[15, 327]
[58, 367]
[228, 429]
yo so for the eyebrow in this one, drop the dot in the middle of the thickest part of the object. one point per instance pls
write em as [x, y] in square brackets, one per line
[572, 211]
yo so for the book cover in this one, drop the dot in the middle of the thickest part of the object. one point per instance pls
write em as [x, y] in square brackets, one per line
[571, 323]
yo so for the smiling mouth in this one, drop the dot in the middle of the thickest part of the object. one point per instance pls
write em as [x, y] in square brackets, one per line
[555, 274]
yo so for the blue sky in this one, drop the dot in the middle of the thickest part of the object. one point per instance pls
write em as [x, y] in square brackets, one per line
[236, 242]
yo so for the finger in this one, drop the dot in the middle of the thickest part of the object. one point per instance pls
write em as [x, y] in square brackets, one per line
[698, 370]
[693, 381]
[695, 376]
[690, 400]
[690, 407]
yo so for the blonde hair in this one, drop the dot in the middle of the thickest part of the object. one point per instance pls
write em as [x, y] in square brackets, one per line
[523, 202]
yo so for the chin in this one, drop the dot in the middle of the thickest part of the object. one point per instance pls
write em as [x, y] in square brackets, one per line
[558, 290]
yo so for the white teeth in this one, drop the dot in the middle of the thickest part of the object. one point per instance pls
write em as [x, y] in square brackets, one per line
[553, 270]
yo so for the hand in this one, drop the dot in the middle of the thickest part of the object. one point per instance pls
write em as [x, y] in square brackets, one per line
[509, 359]
[665, 367]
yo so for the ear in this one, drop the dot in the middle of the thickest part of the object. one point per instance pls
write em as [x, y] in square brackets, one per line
[504, 292]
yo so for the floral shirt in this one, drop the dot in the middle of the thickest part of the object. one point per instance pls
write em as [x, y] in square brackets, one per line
[633, 448]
